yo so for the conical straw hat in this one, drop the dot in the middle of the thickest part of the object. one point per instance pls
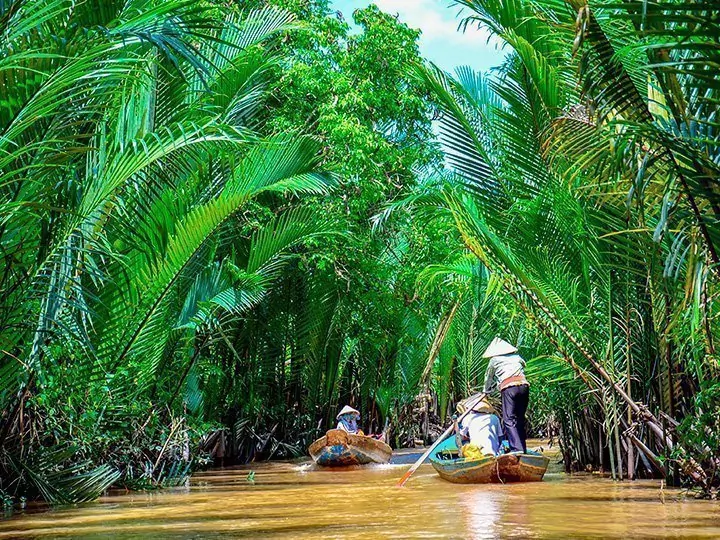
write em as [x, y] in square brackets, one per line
[498, 347]
[483, 406]
[347, 409]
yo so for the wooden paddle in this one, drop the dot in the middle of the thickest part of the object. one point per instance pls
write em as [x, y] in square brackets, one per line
[440, 439]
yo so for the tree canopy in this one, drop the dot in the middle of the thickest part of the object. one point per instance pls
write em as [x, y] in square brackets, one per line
[222, 221]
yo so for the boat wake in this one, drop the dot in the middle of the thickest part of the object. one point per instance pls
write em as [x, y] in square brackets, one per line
[385, 465]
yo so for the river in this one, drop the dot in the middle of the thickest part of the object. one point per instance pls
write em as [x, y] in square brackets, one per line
[292, 500]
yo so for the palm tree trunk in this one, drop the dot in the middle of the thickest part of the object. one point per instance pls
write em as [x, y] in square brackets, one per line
[440, 334]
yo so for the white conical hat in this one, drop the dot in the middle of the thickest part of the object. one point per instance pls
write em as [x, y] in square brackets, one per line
[498, 347]
[347, 409]
[482, 406]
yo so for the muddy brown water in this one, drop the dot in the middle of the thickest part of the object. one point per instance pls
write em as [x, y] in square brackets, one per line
[291, 500]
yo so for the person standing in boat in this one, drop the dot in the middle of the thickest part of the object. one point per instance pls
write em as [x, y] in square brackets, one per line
[481, 425]
[506, 372]
[348, 420]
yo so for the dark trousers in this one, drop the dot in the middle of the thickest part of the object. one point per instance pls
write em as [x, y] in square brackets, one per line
[514, 405]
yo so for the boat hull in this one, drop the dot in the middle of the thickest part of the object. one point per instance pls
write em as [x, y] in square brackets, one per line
[506, 468]
[341, 449]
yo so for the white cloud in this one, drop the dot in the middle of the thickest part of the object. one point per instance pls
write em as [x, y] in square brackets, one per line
[440, 42]
[437, 21]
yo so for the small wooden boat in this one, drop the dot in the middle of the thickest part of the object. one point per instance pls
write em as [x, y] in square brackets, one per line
[513, 467]
[340, 449]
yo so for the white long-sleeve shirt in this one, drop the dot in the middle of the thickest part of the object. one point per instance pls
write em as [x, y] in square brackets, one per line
[500, 368]
[484, 431]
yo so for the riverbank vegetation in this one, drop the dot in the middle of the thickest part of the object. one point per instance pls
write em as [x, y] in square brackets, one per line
[221, 221]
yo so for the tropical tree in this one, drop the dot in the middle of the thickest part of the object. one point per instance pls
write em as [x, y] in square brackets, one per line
[179, 285]
[587, 219]
[346, 317]
[130, 160]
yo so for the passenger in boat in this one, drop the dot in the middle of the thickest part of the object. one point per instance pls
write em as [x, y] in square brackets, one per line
[506, 372]
[348, 420]
[481, 426]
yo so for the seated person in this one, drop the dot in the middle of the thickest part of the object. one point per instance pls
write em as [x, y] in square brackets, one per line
[481, 426]
[348, 420]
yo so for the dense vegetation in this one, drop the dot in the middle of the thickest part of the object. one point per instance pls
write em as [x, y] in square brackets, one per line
[586, 182]
[220, 221]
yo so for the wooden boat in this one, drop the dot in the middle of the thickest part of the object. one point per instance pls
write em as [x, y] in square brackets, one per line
[340, 449]
[513, 467]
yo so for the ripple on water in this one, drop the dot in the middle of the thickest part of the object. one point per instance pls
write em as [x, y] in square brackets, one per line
[290, 500]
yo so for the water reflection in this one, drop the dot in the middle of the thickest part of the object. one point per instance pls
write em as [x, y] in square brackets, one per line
[483, 512]
[291, 501]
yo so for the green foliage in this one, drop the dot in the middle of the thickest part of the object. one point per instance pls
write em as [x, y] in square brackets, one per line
[131, 158]
[564, 194]
[219, 223]
[341, 317]
[180, 277]
[700, 431]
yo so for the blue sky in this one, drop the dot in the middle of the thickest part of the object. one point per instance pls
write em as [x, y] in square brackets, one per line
[441, 41]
